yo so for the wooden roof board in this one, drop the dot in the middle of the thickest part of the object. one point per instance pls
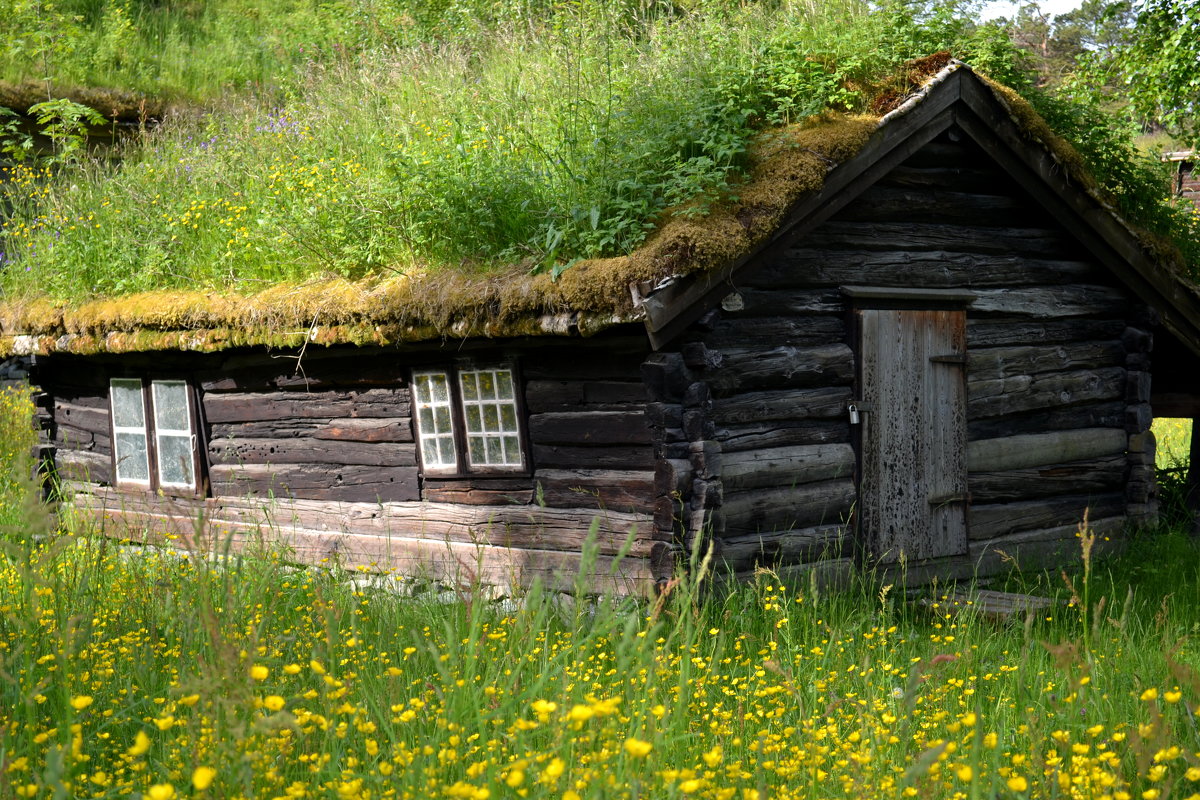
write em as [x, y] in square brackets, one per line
[963, 100]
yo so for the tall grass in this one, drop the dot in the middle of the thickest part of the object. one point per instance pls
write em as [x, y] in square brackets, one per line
[143, 673]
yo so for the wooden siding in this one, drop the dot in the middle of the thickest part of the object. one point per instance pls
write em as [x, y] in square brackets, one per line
[1058, 360]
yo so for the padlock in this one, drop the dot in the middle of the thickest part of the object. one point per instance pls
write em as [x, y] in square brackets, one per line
[853, 414]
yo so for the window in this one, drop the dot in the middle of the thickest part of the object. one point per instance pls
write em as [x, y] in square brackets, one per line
[153, 440]
[468, 420]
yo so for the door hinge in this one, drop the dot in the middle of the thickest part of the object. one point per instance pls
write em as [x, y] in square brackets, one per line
[952, 359]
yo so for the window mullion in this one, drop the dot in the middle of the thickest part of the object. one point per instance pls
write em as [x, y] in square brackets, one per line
[459, 422]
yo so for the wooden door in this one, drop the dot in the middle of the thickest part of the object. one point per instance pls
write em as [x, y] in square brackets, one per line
[913, 445]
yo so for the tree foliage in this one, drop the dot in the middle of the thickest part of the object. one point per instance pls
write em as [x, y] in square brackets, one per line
[1160, 66]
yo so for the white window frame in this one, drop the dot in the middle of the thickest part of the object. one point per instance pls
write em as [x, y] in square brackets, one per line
[153, 435]
[460, 432]
[143, 431]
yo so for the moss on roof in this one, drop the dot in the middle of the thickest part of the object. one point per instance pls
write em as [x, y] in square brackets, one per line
[786, 163]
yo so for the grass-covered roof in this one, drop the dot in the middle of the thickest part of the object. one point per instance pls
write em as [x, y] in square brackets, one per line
[516, 184]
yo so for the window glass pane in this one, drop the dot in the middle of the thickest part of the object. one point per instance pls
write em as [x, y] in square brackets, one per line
[441, 419]
[474, 421]
[170, 406]
[175, 461]
[127, 408]
[132, 463]
[449, 459]
[425, 419]
[508, 418]
[495, 451]
[512, 450]
[477, 450]
[439, 390]
[504, 384]
[491, 418]
[470, 389]
[487, 384]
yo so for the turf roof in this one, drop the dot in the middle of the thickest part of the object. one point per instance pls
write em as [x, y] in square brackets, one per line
[786, 164]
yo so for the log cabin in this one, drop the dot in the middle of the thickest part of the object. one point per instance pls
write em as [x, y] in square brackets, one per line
[935, 357]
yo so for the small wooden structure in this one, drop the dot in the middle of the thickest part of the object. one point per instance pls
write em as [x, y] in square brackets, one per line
[936, 363]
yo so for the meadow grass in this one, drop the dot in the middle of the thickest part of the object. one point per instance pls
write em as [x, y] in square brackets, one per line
[141, 673]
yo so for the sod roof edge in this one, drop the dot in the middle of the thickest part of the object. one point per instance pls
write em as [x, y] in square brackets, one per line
[787, 164]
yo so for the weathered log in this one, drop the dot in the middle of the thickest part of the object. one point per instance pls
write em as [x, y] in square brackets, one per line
[1045, 547]
[739, 438]
[672, 477]
[804, 267]
[824, 403]
[587, 364]
[987, 521]
[355, 369]
[994, 398]
[95, 420]
[1004, 362]
[784, 303]
[560, 456]
[480, 493]
[1108, 414]
[366, 430]
[975, 179]
[1052, 301]
[781, 509]
[775, 548]
[771, 331]
[362, 429]
[549, 395]
[311, 451]
[255, 406]
[1088, 477]
[942, 154]
[893, 236]
[783, 366]
[559, 529]
[588, 427]
[82, 465]
[886, 204]
[786, 466]
[665, 376]
[357, 483]
[992, 332]
[1043, 449]
[70, 437]
[621, 490]
[447, 561]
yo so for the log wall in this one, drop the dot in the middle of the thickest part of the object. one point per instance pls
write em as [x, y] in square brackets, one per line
[324, 459]
[1058, 375]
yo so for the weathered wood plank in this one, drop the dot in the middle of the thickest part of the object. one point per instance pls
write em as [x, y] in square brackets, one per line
[891, 236]
[740, 438]
[1042, 449]
[770, 331]
[994, 398]
[773, 548]
[82, 465]
[533, 527]
[357, 429]
[788, 303]
[1004, 362]
[85, 418]
[782, 366]
[366, 430]
[887, 204]
[1047, 547]
[516, 491]
[993, 332]
[256, 406]
[588, 427]
[311, 451]
[933, 269]
[551, 395]
[786, 466]
[1108, 414]
[1052, 302]
[349, 483]
[988, 521]
[786, 404]
[347, 369]
[979, 178]
[781, 509]
[621, 490]
[559, 456]
[1088, 477]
